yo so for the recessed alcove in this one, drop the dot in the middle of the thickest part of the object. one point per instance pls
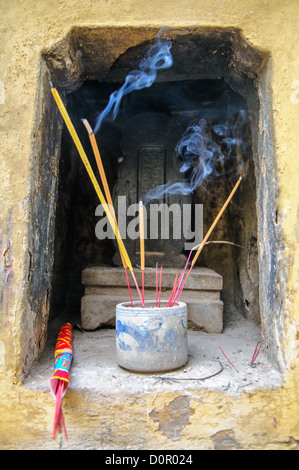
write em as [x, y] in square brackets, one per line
[177, 104]
[215, 75]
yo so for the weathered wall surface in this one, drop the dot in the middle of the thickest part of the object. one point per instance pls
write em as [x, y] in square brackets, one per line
[27, 28]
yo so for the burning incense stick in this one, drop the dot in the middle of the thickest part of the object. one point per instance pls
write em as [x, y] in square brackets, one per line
[98, 158]
[209, 233]
[100, 166]
[142, 254]
[97, 188]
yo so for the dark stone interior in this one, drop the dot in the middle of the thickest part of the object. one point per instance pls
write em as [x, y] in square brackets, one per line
[181, 102]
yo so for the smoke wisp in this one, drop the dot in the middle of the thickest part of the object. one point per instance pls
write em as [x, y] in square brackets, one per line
[201, 153]
[158, 57]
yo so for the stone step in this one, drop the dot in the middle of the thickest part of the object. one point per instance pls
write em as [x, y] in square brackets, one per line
[199, 279]
[150, 294]
[106, 287]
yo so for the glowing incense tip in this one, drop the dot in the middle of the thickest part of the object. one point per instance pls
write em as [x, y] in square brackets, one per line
[88, 126]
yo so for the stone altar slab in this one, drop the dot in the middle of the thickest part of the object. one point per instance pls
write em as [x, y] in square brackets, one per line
[106, 287]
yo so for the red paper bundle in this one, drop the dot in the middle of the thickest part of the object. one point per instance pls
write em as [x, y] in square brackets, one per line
[59, 381]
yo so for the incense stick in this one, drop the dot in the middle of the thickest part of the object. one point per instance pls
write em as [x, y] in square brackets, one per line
[91, 174]
[209, 233]
[137, 287]
[228, 359]
[142, 254]
[58, 418]
[100, 166]
[128, 283]
[181, 277]
[256, 352]
[156, 284]
[160, 287]
[216, 221]
[98, 158]
[172, 292]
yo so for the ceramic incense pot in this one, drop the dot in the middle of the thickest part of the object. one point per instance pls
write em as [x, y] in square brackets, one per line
[150, 338]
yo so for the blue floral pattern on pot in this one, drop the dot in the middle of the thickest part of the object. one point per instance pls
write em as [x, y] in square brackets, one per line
[151, 339]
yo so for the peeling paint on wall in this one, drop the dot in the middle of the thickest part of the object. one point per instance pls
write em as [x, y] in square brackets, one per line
[174, 417]
[225, 440]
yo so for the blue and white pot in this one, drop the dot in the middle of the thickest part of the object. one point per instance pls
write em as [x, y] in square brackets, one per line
[151, 339]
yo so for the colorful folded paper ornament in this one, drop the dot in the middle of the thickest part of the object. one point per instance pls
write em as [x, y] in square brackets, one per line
[59, 381]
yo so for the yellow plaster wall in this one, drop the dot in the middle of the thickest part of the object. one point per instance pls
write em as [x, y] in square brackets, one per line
[267, 419]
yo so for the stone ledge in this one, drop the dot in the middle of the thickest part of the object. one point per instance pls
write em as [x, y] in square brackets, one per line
[201, 278]
[150, 293]
[106, 287]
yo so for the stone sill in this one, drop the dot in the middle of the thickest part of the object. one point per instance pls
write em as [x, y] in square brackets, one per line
[94, 367]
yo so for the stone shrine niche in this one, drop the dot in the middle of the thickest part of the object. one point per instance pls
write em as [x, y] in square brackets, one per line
[214, 72]
[148, 142]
